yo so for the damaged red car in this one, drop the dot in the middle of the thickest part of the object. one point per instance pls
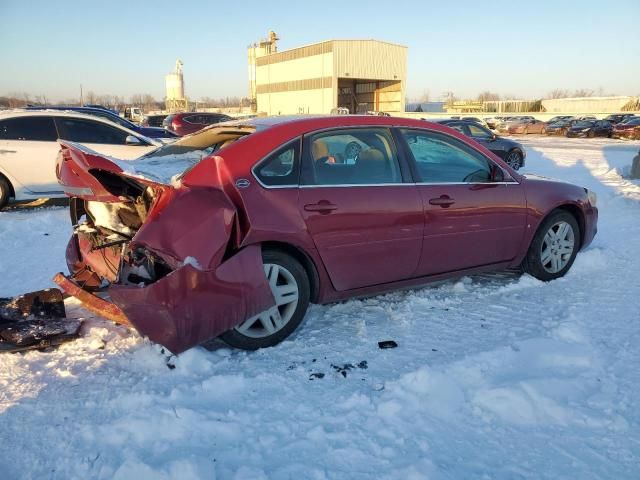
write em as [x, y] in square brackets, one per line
[231, 232]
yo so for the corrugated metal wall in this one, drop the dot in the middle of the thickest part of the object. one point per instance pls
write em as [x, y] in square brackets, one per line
[370, 59]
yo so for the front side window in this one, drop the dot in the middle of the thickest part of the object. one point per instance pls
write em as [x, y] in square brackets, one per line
[476, 131]
[86, 131]
[442, 159]
[281, 167]
[356, 156]
[29, 128]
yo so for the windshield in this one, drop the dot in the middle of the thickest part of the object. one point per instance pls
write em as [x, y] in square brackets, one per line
[583, 124]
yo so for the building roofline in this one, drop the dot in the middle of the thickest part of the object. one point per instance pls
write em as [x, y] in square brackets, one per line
[336, 40]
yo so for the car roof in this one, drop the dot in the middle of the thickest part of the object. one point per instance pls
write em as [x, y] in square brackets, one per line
[287, 126]
[72, 108]
[4, 114]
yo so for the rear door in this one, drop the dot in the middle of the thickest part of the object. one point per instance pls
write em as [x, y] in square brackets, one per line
[360, 207]
[28, 152]
[470, 220]
[101, 137]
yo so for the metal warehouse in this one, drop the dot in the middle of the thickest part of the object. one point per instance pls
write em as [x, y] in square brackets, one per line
[359, 75]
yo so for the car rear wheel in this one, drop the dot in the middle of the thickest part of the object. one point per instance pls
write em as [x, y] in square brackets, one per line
[514, 159]
[554, 247]
[5, 192]
[290, 287]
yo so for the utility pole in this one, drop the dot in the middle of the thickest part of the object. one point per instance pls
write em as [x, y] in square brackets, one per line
[81, 100]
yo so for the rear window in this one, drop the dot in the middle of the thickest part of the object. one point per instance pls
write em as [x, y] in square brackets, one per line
[28, 128]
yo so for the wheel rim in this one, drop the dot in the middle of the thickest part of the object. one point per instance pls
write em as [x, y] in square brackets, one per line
[514, 160]
[285, 292]
[557, 247]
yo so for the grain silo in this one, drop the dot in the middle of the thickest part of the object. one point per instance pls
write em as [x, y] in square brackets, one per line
[175, 99]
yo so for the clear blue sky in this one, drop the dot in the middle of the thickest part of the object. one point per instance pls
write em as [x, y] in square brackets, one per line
[510, 47]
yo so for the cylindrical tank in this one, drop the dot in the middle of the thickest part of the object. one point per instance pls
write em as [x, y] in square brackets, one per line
[175, 86]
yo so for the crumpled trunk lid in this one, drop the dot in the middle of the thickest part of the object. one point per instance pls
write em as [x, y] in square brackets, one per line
[167, 255]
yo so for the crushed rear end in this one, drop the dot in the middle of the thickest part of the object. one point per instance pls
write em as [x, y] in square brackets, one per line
[161, 256]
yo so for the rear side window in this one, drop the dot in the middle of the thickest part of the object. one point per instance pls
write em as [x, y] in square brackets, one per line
[442, 159]
[40, 129]
[86, 131]
[281, 168]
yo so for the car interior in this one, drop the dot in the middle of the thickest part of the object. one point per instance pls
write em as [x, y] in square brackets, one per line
[362, 157]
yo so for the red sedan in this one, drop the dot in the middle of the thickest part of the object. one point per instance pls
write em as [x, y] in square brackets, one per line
[271, 214]
[186, 123]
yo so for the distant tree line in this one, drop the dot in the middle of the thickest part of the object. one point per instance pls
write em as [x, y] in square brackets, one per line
[143, 100]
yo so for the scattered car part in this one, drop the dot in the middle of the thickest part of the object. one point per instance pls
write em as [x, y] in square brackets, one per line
[34, 321]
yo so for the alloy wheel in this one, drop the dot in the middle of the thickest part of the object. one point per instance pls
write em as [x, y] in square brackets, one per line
[514, 160]
[557, 247]
[285, 292]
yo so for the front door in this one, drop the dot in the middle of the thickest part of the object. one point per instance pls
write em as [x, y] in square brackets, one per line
[470, 219]
[365, 219]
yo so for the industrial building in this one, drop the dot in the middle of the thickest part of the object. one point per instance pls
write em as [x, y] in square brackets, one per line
[357, 75]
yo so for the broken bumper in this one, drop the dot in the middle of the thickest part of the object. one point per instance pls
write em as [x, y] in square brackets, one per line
[188, 306]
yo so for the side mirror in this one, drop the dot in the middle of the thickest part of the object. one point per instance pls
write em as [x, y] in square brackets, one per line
[131, 140]
[497, 174]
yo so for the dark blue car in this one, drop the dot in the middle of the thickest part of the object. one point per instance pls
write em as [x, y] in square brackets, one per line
[151, 132]
[508, 150]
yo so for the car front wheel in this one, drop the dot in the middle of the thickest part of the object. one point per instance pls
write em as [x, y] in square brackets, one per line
[514, 159]
[290, 287]
[554, 247]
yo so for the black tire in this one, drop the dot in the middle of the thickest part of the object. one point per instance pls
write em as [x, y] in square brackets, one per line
[591, 134]
[5, 192]
[532, 263]
[236, 339]
[514, 159]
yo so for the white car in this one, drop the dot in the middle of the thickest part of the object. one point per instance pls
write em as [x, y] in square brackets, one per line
[29, 148]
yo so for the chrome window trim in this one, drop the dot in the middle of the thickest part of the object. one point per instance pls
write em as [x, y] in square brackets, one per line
[467, 183]
[405, 184]
[340, 185]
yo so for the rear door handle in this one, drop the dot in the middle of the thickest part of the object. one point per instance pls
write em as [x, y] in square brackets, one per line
[443, 200]
[322, 206]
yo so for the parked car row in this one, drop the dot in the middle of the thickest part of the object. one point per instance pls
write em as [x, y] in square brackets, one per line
[615, 125]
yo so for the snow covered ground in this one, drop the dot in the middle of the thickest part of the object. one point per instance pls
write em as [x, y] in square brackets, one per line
[495, 376]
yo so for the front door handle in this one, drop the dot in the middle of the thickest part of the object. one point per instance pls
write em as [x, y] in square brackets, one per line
[322, 207]
[443, 200]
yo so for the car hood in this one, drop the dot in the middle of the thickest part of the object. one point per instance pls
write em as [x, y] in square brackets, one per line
[534, 177]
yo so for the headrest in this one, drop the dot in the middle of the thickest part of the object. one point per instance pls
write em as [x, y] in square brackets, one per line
[372, 155]
[319, 150]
